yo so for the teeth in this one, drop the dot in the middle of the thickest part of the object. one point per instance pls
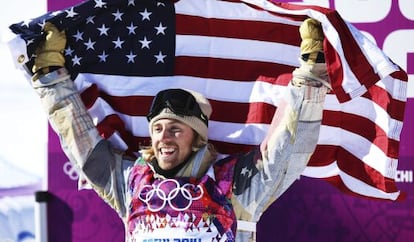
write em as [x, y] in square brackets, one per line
[167, 150]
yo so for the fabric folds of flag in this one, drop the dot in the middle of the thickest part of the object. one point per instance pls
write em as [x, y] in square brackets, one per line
[238, 53]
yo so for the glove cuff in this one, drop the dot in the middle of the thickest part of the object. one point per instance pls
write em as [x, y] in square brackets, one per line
[51, 78]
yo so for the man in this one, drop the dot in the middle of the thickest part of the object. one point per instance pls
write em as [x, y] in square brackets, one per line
[180, 189]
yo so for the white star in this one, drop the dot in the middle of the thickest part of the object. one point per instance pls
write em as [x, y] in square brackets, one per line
[89, 20]
[118, 43]
[118, 15]
[76, 60]
[160, 29]
[160, 57]
[246, 171]
[78, 36]
[102, 57]
[42, 24]
[90, 44]
[145, 43]
[131, 28]
[26, 22]
[103, 30]
[145, 15]
[131, 56]
[71, 13]
[131, 2]
[99, 4]
[69, 51]
[160, 4]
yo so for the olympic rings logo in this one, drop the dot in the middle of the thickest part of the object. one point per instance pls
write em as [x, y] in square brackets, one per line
[158, 196]
[70, 170]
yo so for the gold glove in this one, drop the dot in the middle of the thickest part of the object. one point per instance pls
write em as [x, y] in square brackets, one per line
[312, 70]
[50, 52]
[312, 38]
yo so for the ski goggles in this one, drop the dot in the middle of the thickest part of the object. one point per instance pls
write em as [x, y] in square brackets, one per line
[179, 101]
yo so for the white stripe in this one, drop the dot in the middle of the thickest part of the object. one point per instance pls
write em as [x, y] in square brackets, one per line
[250, 134]
[227, 10]
[329, 135]
[360, 187]
[118, 143]
[215, 89]
[395, 87]
[99, 110]
[237, 49]
[322, 171]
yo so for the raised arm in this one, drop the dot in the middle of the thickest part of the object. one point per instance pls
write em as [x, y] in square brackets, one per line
[292, 136]
[97, 161]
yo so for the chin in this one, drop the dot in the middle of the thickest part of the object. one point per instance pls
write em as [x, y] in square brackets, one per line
[165, 165]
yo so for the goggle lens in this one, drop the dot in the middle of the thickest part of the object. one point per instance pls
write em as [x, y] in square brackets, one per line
[179, 102]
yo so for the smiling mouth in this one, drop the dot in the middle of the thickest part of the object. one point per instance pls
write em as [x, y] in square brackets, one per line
[166, 151]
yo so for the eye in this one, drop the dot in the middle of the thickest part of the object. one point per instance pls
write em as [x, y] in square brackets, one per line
[175, 129]
[156, 129]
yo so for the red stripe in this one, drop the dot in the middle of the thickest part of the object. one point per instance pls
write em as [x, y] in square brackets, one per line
[395, 108]
[231, 148]
[90, 95]
[113, 123]
[242, 112]
[335, 71]
[239, 29]
[280, 80]
[110, 124]
[129, 105]
[323, 155]
[400, 75]
[227, 69]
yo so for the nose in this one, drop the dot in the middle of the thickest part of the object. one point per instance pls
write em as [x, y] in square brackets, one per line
[165, 135]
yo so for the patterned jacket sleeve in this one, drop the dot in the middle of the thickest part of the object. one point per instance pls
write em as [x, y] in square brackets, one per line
[102, 166]
[264, 174]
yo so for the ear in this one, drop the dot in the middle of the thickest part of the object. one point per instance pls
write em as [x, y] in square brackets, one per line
[197, 142]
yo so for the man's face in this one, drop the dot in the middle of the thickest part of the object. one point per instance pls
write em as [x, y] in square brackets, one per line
[172, 142]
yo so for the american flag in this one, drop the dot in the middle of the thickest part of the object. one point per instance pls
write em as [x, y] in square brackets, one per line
[239, 54]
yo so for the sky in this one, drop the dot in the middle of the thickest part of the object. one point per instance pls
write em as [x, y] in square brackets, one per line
[23, 125]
